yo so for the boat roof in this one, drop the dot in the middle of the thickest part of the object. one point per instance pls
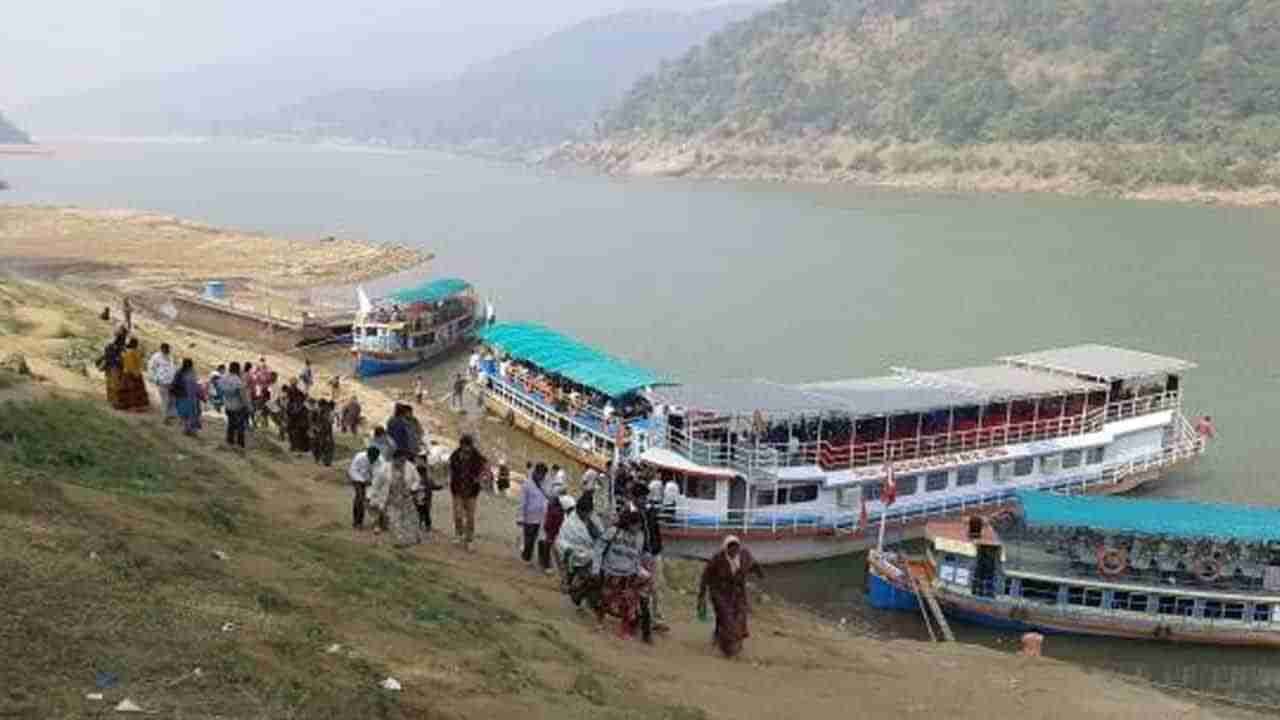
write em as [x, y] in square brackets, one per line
[907, 391]
[1178, 518]
[669, 460]
[569, 358]
[428, 292]
[1102, 362]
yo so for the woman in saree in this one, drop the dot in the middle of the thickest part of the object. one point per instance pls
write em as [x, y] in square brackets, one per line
[624, 589]
[133, 389]
[112, 365]
[725, 580]
[297, 417]
[186, 393]
[401, 481]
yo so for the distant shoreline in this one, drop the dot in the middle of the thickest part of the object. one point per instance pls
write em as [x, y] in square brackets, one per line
[1061, 168]
[23, 149]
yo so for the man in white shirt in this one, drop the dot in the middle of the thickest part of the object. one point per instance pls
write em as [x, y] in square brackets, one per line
[160, 370]
[474, 364]
[361, 475]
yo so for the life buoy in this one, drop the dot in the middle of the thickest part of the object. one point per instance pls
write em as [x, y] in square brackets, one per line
[1207, 570]
[1112, 561]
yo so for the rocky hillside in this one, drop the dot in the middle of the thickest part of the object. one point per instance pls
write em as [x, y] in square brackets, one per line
[9, 134]
[544, 93]
[1190, 89]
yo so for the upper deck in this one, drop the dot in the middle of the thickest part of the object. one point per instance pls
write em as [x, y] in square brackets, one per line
[759, 425]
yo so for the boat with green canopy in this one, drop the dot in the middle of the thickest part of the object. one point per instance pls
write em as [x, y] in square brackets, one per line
[408, 327]
[585, 402]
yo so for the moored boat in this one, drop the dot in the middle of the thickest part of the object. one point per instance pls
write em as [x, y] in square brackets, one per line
[581, 401]
[798, 470]
[402, 330]
[1143, 569]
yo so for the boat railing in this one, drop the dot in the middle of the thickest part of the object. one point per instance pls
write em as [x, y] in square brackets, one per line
[1172, 620]
[1144, 405]
[848, 522]
[748, 456]
[550, 418]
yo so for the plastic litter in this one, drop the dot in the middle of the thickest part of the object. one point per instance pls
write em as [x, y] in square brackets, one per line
[390, 684]
[219, 554]
[334, 649]
[127, 705]
[93, 696]
[228, 627]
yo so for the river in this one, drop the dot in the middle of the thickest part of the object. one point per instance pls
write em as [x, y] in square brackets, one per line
[791, 283]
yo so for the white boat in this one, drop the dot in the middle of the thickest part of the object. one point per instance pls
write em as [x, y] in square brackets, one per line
[411, 326]
[797, 471]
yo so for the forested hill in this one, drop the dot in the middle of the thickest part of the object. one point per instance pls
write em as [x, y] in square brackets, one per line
[544, 93]
[966, 72]
[10, 134]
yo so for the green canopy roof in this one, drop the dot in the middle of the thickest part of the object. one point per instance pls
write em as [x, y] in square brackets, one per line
[564, 356]
[433, 291]
[1179, 518]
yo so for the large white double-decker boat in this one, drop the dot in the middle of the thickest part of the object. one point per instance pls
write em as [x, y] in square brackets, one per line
[798, 470]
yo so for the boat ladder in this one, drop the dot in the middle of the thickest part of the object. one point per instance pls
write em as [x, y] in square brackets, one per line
[930, 610]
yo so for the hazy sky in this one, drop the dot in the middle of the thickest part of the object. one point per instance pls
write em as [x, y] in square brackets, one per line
[57, 47]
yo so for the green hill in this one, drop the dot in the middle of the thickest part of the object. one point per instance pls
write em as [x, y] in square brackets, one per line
[9, 134]
[543, 93]
[1202, 75]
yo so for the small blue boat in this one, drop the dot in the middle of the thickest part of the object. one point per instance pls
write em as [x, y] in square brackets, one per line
[409, 327]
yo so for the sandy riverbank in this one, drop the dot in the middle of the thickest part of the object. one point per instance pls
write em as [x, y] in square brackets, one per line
[1133, 172]
[796, 665]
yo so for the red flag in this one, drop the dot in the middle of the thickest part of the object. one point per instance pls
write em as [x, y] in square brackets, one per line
[889, 492]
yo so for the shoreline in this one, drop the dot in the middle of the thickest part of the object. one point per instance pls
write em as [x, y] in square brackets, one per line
[1067, 169]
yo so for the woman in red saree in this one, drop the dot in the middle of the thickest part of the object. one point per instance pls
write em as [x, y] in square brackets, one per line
[725, 580]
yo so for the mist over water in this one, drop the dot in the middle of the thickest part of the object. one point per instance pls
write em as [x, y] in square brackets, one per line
[709, 280]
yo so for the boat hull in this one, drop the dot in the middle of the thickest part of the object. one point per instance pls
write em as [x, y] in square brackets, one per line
[887, 590]
[368, 366]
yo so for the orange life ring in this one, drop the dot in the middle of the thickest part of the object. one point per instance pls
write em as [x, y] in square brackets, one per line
[1207, 570]
[1112, 562]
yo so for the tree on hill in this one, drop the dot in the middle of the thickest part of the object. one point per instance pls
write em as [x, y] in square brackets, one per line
[978, 71]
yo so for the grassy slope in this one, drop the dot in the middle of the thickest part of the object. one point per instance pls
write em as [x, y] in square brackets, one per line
[109, 528]
[1188, 88]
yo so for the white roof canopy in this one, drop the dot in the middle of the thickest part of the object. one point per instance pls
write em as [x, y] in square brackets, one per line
[1101, 362]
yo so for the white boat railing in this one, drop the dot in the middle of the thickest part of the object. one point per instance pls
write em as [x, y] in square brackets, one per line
[780, 521]
[546, 416]
[1143, 405]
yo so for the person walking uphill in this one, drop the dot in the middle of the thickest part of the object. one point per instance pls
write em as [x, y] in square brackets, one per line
[161, 371]
[399, 480]
[725, 580]
[235, 400]
[360, 474]
[533, 509]
[297, 418]
[133, 388]
[466, 466]
[186, 397]
[112, 366]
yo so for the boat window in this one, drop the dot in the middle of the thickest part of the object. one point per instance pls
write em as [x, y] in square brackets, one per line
[967, 476]
[1120, 600]
[1093, 597]
[764, 498]
[1262, 612]
[1049, 464]
[801, 493]
[1138, 602]
[1040, 591]
[908, 485]
[1023, 466]
[934, 482]
[1075, 596]
[1168, 605]
[871, 491]
[1186, 607]
[1003, 471]
[1233, 611]
[700, 489]
[1095, 455]
[1071, 458]
[1212, 609]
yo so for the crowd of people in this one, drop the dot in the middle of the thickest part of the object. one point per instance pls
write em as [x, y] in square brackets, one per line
[608, 558]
